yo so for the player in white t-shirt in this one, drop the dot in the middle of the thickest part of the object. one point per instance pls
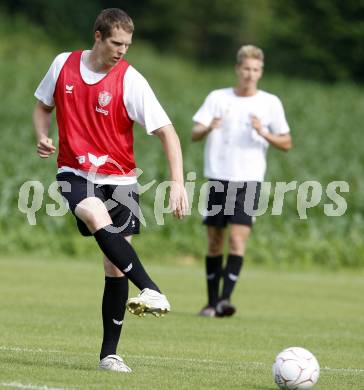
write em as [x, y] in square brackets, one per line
[240, 123]
[98, 96]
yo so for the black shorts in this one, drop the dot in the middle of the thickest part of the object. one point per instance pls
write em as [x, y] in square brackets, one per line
[121, 201]
[231, 202]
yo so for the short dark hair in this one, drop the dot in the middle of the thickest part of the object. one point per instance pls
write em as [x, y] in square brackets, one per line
[110, 18]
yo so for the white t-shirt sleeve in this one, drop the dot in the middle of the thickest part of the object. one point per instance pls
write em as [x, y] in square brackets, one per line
[279, 123]
[141, 104]
[46, 88]
[208, 111]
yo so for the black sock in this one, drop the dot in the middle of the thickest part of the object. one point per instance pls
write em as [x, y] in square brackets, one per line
[231, 274]
[123, 256]
[113, 310]
[213, 274]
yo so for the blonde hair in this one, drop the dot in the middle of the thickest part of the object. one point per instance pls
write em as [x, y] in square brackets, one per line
[249, 51]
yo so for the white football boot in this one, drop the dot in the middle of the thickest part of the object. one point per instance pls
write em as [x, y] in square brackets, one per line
[113, 363]
[149, 302]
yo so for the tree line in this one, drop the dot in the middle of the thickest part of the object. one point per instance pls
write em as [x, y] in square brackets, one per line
[319, 39]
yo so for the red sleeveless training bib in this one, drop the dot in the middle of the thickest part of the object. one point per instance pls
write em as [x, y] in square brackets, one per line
[95, 131]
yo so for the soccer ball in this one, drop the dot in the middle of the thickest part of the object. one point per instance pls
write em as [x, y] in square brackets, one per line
[295, 368]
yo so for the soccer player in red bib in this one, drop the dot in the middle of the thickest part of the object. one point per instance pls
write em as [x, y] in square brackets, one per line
[98, 96]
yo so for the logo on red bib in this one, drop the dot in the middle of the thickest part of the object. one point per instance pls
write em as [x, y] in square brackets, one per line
[104, 98]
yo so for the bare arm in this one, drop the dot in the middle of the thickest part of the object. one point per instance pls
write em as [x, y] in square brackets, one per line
[42, 121]
[280, 141]
[172, 149]
[199, 131]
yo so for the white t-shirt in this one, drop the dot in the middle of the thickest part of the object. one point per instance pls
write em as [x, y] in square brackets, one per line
[235, 151]
[140, 102]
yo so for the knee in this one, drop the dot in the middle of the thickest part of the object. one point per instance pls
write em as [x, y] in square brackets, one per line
[93, 213]
[215, 246]
[236, 244]
[111, 270]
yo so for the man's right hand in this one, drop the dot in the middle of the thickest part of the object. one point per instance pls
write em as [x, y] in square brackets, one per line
[45, 147]
[215, 123]
[200, 131]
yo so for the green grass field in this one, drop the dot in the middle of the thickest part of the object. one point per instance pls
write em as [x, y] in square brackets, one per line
[50, 329]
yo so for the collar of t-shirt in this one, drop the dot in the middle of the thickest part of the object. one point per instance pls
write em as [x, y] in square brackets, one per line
[87, 74]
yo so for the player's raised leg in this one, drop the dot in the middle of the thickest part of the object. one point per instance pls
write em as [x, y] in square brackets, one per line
[119, 251]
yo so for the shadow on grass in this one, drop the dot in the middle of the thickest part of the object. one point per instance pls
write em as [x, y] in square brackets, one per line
[190, 314]
[47, 362]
